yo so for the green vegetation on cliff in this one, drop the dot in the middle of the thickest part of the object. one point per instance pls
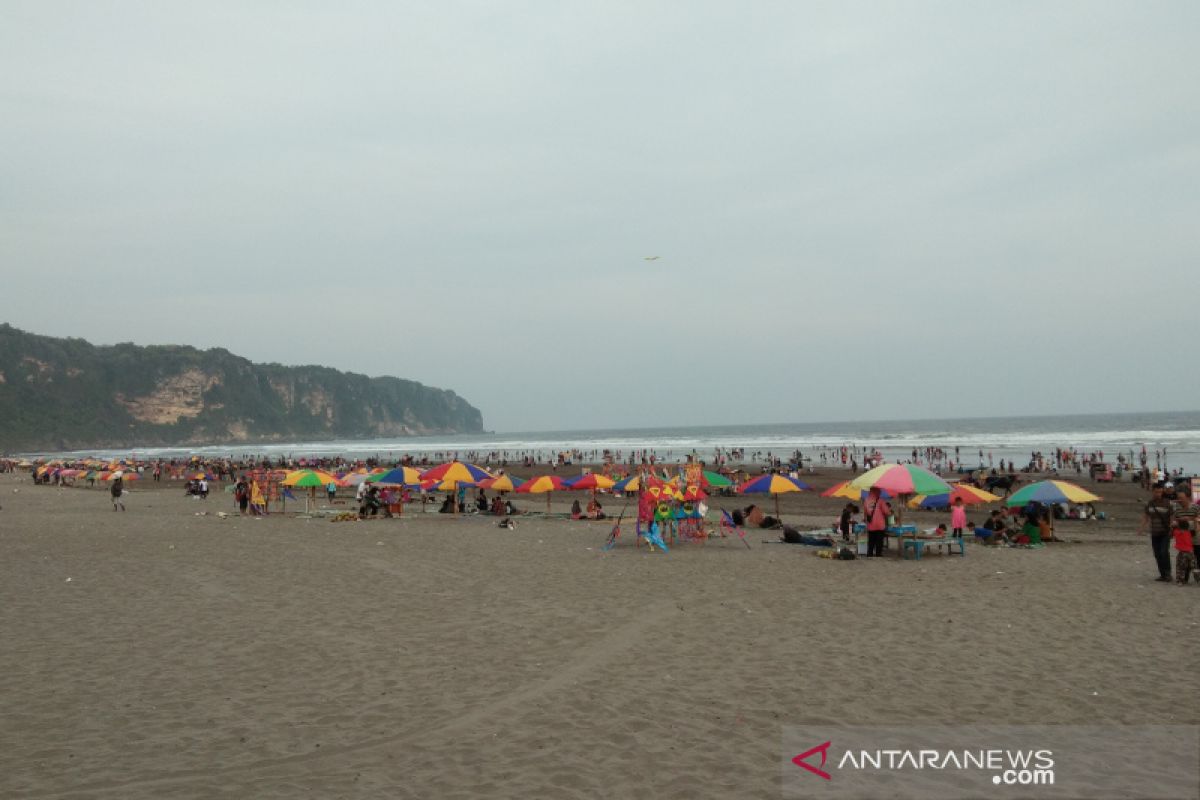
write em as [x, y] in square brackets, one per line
[68, 394]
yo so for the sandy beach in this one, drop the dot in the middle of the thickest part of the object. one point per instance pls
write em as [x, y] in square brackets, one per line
[162, 654]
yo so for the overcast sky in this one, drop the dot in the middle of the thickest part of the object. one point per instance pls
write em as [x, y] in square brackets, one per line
[863, 210]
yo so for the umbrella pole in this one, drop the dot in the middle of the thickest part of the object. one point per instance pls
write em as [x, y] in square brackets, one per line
[778, 516]
[547, 503]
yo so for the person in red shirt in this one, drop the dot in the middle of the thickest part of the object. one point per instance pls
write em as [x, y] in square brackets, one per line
[1185, 555]
[876, 510]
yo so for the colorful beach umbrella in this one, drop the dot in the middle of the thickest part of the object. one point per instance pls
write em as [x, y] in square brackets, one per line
[591, 481]
[901, 479]
[849, 492]
[400, 476]
[1049, 493]
[630, 483]
[964, 491]
[774, 485]
[543, 484]
[714, 480]
[501, 483]
[456, 471]
[845, 490]
[308, 479]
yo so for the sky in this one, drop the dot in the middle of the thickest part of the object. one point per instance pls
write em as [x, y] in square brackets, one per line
[860, 210]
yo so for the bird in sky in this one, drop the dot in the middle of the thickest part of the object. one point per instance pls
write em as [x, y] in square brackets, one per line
[652, 258]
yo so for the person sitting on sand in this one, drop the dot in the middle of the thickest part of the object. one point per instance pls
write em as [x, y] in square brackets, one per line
[498, 506]
[994, 530]
[510, 509]
[594, 509]
[481, 502]
[447, 505]
[576, 510]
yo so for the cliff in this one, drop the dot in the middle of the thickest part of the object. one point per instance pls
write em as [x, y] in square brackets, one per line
[66, 394]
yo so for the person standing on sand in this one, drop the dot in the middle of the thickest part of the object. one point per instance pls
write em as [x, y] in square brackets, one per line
[117, 490]
[241, 495]
[958, 517]
[846, 520]
[1158, 515]
[1185, 558]
[877, 511]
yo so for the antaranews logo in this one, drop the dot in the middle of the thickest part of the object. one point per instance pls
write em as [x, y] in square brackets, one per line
[983, 762]
[1010, 767]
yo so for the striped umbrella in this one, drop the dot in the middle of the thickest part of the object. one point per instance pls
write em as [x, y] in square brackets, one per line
[844, 489]
[400, 476]
[543, 484]
[591, 481]
[961, 491]
[630, 483]
[456, 471]
[501, 483]
[453, 473]
[308, 479]
[901, 479]
[774, 485]
[714, 480]
[1049, 493]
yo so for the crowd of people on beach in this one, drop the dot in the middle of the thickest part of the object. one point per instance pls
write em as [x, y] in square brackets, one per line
[1169, 517]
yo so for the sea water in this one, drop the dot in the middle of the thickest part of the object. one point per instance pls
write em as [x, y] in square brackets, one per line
[1170, 438]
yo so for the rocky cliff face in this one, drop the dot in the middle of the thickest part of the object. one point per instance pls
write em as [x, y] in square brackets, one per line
[69, 394]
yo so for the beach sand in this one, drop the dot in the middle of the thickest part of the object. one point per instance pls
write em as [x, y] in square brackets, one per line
[160, 654]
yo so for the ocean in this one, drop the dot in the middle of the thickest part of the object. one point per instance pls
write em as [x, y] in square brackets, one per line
[1172, 437]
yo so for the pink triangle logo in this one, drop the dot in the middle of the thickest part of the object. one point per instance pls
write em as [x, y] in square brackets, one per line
[800, 760]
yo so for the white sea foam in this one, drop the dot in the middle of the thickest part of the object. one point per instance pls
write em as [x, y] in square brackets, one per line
[1006, 438]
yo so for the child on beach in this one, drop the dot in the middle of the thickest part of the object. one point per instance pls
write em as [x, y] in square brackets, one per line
[1185, 553]
[958, 517]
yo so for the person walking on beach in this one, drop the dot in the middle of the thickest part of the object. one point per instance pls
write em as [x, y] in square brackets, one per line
[877, 511]
[1185, 553]
[117, 490]
[241, 495]
[1158, 515]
